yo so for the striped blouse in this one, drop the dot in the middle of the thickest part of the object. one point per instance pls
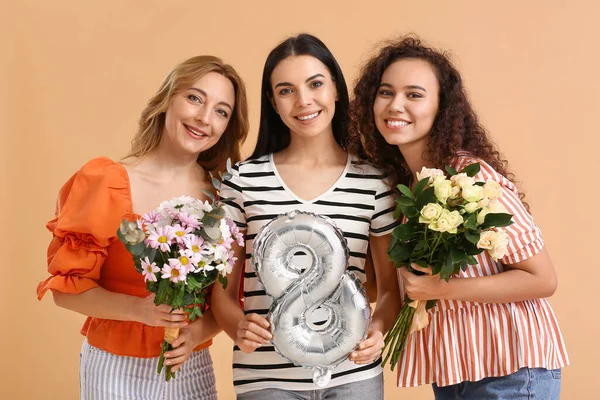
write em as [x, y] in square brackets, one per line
[469, 341]
[359, 203]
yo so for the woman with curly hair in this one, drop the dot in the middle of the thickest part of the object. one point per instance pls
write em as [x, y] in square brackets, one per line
[492, 334]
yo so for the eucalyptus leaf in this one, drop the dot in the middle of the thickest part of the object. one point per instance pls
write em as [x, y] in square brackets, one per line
[209, 194]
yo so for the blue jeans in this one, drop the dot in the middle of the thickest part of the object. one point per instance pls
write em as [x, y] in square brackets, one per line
[526, 383]
[368, 389]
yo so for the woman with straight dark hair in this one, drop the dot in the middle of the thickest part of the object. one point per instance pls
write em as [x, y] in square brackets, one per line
[301, 163]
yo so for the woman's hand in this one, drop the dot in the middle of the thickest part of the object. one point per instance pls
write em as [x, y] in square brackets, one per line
[183, 347]
[252, 333]
[369, 350]
[423, 287]
[153, 315]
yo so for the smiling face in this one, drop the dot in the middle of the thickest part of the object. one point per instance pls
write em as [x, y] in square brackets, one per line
[198, 115]
[304, 95]
[406, 103]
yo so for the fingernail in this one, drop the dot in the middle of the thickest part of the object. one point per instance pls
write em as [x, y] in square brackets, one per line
[353, 355]
[269, 335]
[257, 344]
[167, 362]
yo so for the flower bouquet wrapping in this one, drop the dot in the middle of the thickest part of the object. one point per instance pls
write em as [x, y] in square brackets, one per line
[447, 223]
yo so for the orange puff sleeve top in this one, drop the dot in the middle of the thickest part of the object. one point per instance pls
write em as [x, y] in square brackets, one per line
[85, 253]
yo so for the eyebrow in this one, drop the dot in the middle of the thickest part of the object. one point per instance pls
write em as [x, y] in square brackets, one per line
[406, 87]
[202, 92]
[307, 80]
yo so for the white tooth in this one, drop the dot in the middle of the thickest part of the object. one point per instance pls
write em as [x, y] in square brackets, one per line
[397, 123]
[306, 117]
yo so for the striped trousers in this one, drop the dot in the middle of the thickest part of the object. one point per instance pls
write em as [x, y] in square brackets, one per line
[106, 376]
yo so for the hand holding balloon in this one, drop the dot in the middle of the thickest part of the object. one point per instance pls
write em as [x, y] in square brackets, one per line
[369, 350]
[252, 333]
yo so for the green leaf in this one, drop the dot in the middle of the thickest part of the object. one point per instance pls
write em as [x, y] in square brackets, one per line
[223, 281]
[426, 197]
[420, 186]
[471, 222]
[405, 191]
[138, 249]
[471, 169]
[409, 211]
[451, 171]
[456, 255]
[188, 299]
[161, 294]
[404, 232]
[193, 284]
[405, 201]
[213, 233]
[472, 249]
[400, 253]
[421, 245]
[496, 220]
[479, 184]
[472, 236]
[209, 194]
[398, 211]
[430, 304]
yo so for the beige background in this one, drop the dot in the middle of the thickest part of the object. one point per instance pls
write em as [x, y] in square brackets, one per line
[75, 75]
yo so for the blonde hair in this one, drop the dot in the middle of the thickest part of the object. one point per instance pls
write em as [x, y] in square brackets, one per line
[152, 120]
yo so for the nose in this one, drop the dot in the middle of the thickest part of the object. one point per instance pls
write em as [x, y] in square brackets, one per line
[303, 98]
[203, 114]
[397, 104]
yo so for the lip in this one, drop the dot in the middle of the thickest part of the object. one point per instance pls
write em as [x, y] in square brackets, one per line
[305, 114]
[191, 130]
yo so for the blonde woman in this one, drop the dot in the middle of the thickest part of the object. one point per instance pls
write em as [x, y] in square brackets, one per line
[196, 120]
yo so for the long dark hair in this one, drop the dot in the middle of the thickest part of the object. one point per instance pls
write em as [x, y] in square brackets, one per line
[456, 126]
[273, 134]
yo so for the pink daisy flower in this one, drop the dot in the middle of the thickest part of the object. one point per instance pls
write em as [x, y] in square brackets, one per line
[181, 233]
[152, 217]
[188, 221]
[174, 271]
[161, 239]
[149, 270]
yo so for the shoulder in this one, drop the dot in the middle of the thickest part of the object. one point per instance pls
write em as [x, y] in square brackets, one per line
[102, 173]
[486, 171]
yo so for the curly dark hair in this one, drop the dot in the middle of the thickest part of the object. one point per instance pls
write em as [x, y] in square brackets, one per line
[455, 126]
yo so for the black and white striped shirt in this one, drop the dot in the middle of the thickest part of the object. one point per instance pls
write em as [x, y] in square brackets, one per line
[359, 202]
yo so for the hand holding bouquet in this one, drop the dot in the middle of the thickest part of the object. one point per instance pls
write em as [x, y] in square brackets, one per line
[181, 249]
[448, 222]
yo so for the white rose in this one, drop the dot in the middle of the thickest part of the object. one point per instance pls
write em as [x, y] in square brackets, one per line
[471, 207]
[442, 188]
[472, 193]
[461, 180]
[454, 192]
[493, 207]
[429, 173]
[431, 212]
[495, 242]
[492, 190]
[447, 222]
[483, 202]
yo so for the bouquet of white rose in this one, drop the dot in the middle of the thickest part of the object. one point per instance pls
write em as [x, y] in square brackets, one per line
[447, 223]
[181, 249]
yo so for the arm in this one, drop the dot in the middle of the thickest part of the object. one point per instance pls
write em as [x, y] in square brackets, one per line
[101, 303]
[247, 331]
[370, 284]
[388, 302]
[529, 279]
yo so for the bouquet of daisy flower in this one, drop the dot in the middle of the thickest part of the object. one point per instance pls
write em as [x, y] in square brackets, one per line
[448, 222]
[181, 249]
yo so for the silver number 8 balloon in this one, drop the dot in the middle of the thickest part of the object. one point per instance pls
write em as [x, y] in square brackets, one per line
[297, 292]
